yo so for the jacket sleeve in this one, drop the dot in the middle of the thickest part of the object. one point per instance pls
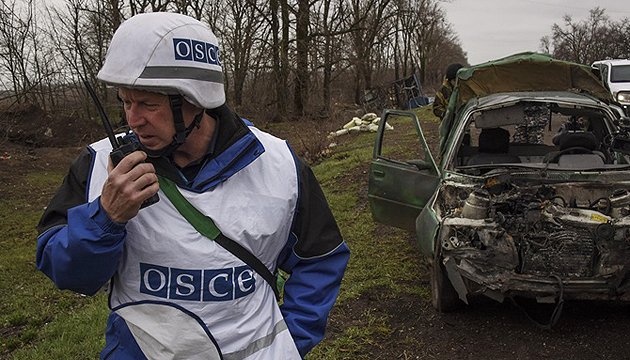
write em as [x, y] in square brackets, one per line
[78, 246]
[316, 257]
[440, 102]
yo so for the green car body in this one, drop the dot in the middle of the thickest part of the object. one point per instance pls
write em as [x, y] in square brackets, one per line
[547, 218]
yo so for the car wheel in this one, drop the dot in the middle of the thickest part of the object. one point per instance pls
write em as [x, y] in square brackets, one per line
[443, 295]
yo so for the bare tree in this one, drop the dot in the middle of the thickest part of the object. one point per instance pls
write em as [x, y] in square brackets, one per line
[16, 25]
[279, 21]
[302, 38]
[592, 39]
[407, 20]
[327, 45]
[619, 39]
[428, 32]
[329, 26]
[368, 18]
[142, 6]
[81, 35]
[242, 30]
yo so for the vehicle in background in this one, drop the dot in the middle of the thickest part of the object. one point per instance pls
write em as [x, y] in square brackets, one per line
[544, 215]
[615, 74]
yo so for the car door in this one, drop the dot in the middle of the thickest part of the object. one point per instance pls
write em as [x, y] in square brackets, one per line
[403, 174]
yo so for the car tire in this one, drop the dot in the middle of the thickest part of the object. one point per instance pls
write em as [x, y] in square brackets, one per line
[444, 298]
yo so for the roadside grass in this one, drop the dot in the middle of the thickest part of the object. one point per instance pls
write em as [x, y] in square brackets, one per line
[381, 258]
[355, 339]
[35, 317]
[38, 321]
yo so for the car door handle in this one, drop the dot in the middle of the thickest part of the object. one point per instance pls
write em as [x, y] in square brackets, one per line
[378, 173]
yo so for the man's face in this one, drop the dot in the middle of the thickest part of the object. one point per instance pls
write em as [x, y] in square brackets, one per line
[149, 116]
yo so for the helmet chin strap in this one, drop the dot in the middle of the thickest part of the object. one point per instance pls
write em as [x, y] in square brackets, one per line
[181, 131]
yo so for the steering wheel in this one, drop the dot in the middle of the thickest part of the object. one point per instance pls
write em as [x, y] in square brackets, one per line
[572, 150]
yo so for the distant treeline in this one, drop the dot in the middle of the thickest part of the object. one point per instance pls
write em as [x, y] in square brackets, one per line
[283, 58]
[589, 40]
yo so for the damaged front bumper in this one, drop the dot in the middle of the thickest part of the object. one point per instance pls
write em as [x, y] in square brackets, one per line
[502, 247]
[469, 279]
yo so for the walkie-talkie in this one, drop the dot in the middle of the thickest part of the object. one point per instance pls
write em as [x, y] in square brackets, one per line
[120, 148]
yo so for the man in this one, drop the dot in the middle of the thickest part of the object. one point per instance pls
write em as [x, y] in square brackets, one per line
[175, 293]
[440, 104]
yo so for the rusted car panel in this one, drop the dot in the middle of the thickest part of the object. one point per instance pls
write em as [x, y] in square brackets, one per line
[532, 193]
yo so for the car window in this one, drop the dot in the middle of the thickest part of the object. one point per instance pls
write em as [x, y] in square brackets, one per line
[620, 73]
[400, 140]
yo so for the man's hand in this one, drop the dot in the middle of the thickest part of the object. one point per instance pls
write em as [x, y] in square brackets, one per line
[128, 185]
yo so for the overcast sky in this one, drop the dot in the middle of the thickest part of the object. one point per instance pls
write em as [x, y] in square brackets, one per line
[490, 29]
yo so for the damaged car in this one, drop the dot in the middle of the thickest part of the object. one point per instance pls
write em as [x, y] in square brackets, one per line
[529, 194]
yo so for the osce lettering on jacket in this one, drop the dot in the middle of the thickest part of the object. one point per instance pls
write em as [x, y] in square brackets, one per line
[196, 285]
[194, 50]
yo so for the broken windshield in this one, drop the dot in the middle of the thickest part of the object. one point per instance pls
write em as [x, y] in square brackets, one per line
[537, 134]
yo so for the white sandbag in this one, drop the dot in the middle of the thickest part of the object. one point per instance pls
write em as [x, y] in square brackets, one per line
[368, 117]
[350, 123]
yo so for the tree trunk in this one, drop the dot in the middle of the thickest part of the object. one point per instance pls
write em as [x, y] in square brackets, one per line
[278, 59]
[301, 71]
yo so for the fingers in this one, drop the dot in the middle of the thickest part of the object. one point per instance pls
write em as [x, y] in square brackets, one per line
[130, 161]
[149, 191]
[128, 185]
[140, 170]
[131, 184]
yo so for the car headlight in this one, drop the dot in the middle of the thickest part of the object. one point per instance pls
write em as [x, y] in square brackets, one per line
[623, 96]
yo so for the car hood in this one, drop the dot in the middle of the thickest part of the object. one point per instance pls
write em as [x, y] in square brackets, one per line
[527, 72]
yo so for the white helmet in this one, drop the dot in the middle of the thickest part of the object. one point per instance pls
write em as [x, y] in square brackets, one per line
[166, 53]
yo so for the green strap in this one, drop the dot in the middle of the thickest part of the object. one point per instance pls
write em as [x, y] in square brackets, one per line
[203, 224]
[206, 227]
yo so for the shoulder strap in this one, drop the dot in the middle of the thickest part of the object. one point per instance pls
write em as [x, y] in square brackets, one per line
[206, 227]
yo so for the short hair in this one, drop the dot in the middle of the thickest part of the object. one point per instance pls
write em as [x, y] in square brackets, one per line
[451, 71]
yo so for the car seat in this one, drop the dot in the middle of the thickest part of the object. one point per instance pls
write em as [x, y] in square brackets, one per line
[577, 149]
[571, 139]
[494, 144]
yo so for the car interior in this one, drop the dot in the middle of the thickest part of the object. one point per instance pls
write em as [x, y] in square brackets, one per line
[566, 137]
[493, 148]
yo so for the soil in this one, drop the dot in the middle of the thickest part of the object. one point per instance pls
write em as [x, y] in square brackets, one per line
[483, 330]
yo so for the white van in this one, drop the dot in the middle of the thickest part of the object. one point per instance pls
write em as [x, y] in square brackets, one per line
[616, 75]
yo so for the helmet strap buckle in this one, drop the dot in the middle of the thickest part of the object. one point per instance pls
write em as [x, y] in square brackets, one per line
[176, 103]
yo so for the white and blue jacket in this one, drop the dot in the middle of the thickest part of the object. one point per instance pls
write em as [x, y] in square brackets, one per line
[175, 294]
